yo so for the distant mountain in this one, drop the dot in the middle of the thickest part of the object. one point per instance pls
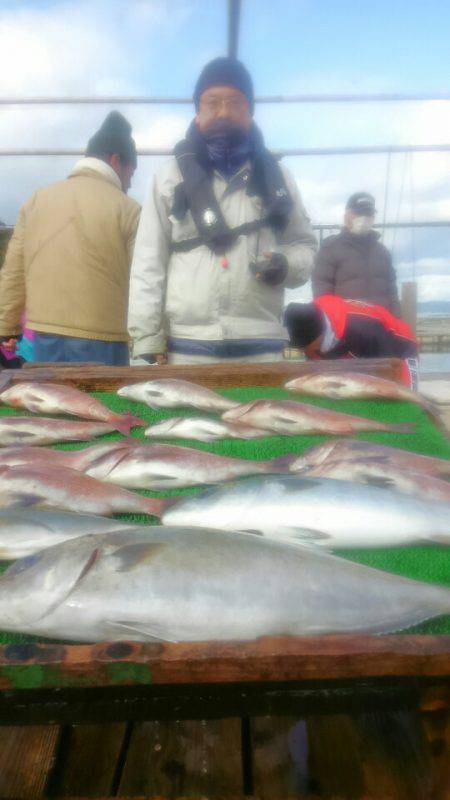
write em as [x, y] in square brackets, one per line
[434, 307]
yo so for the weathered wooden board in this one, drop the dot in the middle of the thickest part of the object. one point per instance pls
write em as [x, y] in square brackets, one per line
[88, 759]
[32, 666]
[26, 760]
[184, 758]
[102, 378]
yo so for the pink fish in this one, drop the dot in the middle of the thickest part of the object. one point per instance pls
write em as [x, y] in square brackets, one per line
[59, 487]
[53, 398]
[45, 430]
[289, 417]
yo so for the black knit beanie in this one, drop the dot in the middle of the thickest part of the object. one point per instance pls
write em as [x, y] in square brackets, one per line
[303, 322]
[225, 72]
[113, 136]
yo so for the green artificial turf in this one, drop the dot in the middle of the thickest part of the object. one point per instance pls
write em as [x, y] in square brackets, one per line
[429, 563]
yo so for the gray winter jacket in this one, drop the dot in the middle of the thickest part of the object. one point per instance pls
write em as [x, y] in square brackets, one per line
[199, 295]
[356, 267]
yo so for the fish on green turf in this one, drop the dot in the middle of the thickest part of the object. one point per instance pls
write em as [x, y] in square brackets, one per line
[187, 584]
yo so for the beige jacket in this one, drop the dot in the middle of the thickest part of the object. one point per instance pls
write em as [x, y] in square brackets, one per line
[193, 295]
[68, 261]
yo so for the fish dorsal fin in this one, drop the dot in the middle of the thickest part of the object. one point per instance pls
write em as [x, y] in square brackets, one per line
[129, 629]
[380, 481]
[133, 555]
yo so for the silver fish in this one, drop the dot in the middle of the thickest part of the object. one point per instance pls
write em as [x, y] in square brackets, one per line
[354, 385]
[178, 584]
[378, 472]
[23, 532]
[174, 393]
[202, 430]
[69, 490]
[43, 430]
[53, 398]
[166, 466]
[318, 511]
[354, 450]
[289, 417]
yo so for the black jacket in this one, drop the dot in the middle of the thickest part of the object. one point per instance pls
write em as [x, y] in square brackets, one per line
[356, 268]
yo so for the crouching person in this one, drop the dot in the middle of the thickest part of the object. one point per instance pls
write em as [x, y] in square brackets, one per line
[67, 264]
[331, 327]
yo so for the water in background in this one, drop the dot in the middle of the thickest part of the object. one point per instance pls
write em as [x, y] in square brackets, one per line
[434, 362]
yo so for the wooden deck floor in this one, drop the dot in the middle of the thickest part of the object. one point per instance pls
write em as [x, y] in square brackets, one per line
[390, 755]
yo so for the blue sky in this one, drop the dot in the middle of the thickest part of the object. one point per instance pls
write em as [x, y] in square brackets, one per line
[126, 47]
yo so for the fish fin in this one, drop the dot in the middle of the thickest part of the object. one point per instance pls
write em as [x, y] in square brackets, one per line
[132, 555]
[283, 463]
[124, 422]
[382, 482]
[23, 500]
[402, 427]
[145, 630]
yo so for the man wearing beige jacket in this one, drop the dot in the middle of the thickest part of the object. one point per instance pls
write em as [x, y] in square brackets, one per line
[222, 234]
[67, 264]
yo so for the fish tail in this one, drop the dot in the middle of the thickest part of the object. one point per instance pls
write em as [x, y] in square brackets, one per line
[286, 463]
[402, 427]
[124, 422]
[155, 506]
[435, 414]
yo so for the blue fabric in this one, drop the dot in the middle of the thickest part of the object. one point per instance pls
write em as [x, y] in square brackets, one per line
[238, 348]
[50, 347]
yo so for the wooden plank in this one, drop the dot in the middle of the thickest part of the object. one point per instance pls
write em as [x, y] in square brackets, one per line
[280, 757]
[274, 659]
[394, 754]
[435, 714]
[33, 666]
[102, 378]
[26, 759]
[184, 758]
[87, 760]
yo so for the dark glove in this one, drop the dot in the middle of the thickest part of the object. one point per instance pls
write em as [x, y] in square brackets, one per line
[272, 269]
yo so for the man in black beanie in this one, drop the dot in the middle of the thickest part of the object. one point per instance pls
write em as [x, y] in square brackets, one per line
[67, 265]
[222, 233]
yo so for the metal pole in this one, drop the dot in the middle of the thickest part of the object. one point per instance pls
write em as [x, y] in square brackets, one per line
[303, 151]
[409, 303]
[234, 7]
[274, 99]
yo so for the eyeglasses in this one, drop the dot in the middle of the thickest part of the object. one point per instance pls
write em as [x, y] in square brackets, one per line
[214, 105]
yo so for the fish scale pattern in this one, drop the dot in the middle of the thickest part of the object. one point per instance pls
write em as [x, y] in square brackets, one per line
[430, 563]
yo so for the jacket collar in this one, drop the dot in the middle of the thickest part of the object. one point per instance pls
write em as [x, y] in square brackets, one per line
[86, 166]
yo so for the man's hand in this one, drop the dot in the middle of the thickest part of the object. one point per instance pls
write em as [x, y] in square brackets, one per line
[271, 269]
[9, 344]
[155, 358]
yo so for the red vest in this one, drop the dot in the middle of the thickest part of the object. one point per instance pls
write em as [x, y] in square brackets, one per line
[338, 310]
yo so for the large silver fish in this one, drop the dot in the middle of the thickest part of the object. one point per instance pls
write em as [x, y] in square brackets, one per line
[177, 584]
[69, 490]
[289, 417]
[202, 430]
[53, 398]
[43, 430]
[377, 472]
[339, 450]
[174, 393]
[23, 531]
[354, 385]
[319, 511]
